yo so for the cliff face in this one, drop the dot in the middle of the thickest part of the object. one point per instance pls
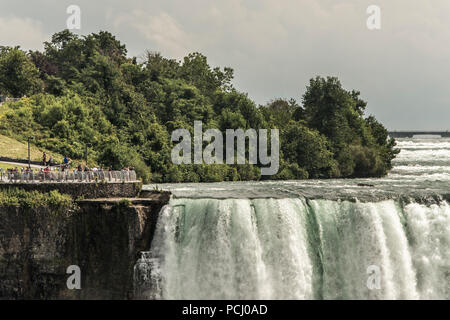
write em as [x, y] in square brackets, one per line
[103, 238]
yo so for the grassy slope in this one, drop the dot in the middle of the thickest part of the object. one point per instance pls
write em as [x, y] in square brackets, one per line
[12, 148]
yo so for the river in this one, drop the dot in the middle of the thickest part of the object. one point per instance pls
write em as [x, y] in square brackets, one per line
[386, 238]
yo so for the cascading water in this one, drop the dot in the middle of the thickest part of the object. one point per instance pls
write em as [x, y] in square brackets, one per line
[297, 249]
[306, 239]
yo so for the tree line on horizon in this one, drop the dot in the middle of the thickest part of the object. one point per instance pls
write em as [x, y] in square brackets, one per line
[85, 90]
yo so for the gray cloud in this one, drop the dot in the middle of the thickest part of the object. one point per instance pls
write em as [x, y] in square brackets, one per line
[275, 46]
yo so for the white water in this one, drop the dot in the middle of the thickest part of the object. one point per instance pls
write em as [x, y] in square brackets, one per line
[269, 246]
[291, 249]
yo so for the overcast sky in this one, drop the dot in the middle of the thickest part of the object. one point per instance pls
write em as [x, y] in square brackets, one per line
[276, 46]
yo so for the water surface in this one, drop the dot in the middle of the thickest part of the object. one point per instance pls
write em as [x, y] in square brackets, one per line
[421, 170]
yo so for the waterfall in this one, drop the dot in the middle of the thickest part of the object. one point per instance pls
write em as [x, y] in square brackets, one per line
[297, 249]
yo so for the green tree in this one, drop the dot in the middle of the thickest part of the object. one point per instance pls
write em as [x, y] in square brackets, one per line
[279, 112]
[127, 110]
[18, 75]
[308, 149]
[360, 146]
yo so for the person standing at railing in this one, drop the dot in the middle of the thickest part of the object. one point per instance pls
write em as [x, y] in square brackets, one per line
[26, 173]
[15, 173]
[47, 172]
[80, 172]
[66, 160]
[87, 174]
[44, 159]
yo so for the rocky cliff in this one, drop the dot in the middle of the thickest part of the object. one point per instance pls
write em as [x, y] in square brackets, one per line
[103, 237]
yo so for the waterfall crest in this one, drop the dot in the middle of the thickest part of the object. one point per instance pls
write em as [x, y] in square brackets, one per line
[297, 249]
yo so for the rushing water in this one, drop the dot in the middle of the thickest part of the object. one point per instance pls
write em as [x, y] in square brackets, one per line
[329, 239]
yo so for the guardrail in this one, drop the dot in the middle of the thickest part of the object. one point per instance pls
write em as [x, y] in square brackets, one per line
[72, 176]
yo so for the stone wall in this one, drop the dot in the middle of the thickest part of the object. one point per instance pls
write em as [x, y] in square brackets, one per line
[103, 238]
[84, 189]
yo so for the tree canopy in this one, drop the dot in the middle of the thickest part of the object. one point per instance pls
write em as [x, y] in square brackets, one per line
[86, 90]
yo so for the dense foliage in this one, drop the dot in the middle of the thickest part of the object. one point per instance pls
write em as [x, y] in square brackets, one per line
[85, 90]
[15, 197]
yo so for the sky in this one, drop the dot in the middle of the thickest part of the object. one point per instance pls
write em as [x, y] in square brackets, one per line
[275, 46]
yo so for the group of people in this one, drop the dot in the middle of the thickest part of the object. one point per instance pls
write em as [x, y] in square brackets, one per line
[61, 172]
[49, 165]
[26, 170]
[50, 161]
[47, 162]
[15, 171]
[81, 168]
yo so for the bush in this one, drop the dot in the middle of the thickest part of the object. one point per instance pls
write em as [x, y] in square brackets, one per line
[291, 171]
[367, 162]
[16, 197]
[308, 149]
[118, 156]
[248, 172]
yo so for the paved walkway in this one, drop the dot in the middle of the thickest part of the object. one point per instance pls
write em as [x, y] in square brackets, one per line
[19, 164]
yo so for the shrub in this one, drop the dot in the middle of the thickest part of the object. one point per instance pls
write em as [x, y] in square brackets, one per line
[16, 197]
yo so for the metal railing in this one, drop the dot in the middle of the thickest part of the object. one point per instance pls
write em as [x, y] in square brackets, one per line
[68, 176]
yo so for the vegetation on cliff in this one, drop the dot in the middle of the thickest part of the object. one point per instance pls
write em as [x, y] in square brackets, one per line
[85, 90]
[16, 197]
